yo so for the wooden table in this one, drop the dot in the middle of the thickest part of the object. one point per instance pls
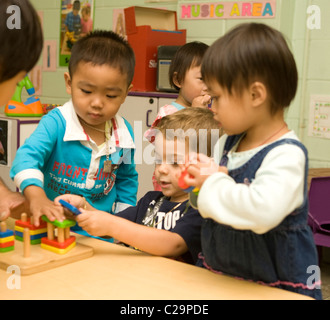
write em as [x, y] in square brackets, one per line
[120, 273]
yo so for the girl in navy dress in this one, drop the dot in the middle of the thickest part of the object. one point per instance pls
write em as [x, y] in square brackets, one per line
[253, 195]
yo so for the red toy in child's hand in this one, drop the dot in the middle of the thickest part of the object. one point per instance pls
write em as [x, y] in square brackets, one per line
[182, 183]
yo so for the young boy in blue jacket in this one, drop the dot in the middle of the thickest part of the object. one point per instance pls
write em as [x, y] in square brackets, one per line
[84, 147]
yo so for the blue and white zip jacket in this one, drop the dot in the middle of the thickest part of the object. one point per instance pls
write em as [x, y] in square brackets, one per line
[61, 158]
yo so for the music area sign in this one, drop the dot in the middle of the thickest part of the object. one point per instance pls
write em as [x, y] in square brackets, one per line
[229, 10]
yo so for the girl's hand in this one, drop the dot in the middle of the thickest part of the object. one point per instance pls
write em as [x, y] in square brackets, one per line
[200, 169]
[202, 101]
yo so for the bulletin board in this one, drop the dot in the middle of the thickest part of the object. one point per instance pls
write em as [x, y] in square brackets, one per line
[319, 116]
[77, 19]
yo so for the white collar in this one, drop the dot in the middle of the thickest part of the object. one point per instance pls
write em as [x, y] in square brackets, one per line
[74, 130]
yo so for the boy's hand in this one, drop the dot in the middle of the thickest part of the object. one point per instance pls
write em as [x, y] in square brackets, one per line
[40, 205]
[94, 222]
[44, 206]
[75, 200]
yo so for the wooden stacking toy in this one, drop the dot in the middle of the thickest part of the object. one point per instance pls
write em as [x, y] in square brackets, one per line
[63, 242]
[36, 233]
[6, 238]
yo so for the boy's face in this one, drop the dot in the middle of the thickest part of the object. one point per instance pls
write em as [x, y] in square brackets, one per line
[7, 88]
[97, 92]
[169, 154]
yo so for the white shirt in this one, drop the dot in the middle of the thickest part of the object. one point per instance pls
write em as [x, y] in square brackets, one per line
[278, 188]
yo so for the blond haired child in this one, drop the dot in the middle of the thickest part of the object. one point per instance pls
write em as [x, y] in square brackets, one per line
[162, 223]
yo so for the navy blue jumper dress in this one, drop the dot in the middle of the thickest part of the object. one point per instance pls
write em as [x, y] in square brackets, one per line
[278, 258]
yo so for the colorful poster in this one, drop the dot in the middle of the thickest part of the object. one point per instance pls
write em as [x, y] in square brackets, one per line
[229, 10]
[77, 19]
[319, 117]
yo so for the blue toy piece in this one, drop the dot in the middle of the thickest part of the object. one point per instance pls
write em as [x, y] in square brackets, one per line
[32, 237]
[7, 233]
[7, 242]
[70, 207]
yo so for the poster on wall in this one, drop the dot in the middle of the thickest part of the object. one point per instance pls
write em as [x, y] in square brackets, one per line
[77, 19]
[319, 117]
[261, 9]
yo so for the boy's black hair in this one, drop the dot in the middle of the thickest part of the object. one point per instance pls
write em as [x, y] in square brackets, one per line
[20, 48]
[104, 47]
[76, 5]
[253, 52]
[188, 56]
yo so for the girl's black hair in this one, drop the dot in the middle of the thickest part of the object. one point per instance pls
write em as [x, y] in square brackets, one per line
[253, 52]
[188, 56]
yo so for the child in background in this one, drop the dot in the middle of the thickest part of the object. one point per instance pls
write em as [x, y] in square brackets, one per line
[162, 223]
[73, 21]
[86, 20]
[185, 76]
[255, 202]
[14, 65]
[84, 147]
